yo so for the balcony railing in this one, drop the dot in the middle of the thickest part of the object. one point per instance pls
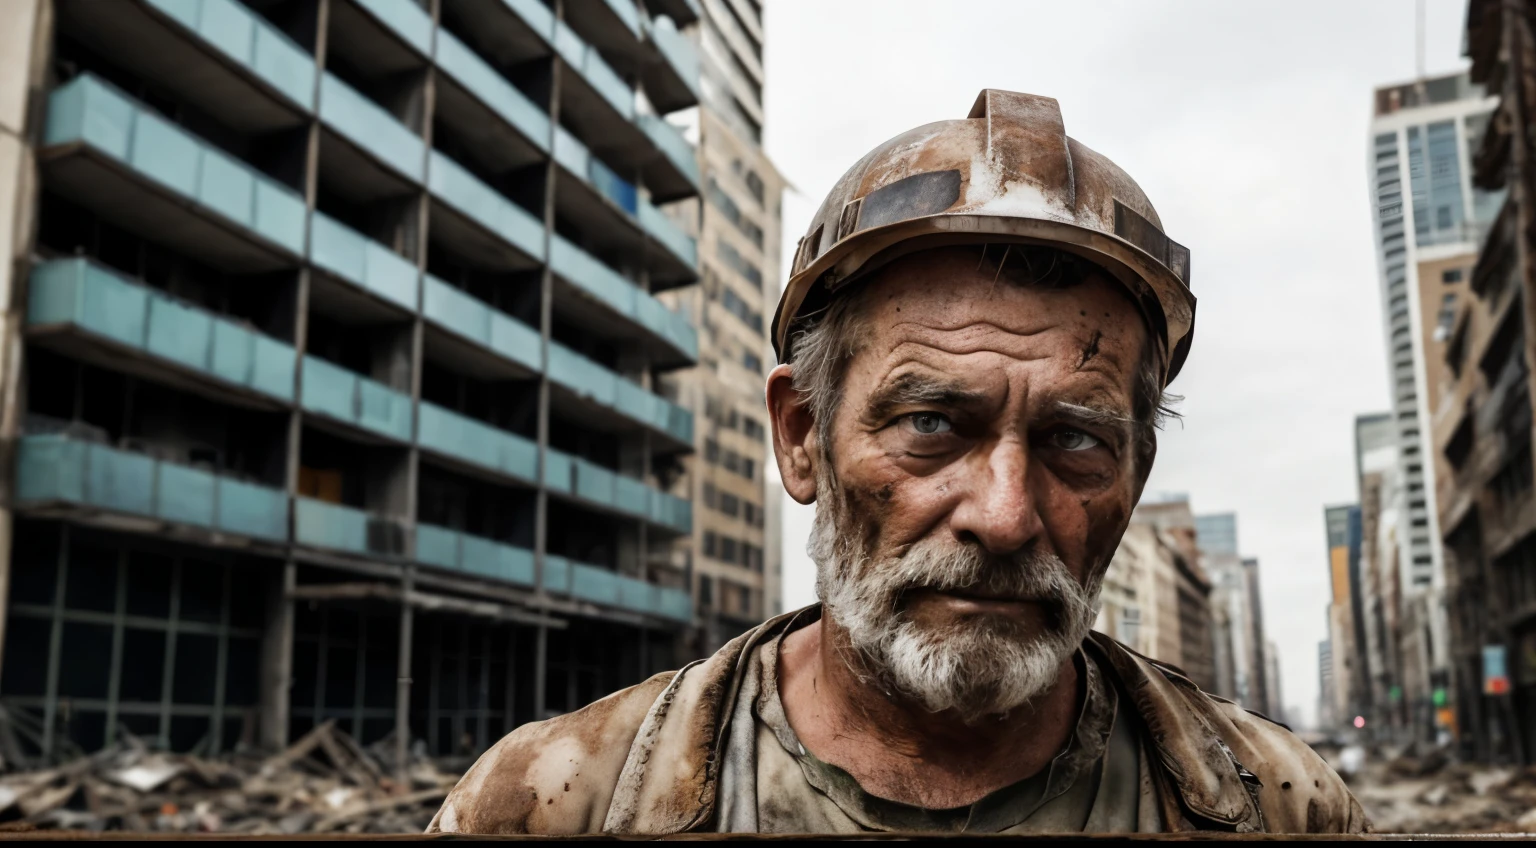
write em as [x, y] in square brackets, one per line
[660, 228]
[597, 485]
[247, 39]
[585, 60]
[591, 380]
[88, 111]
[493, 90]
[466, 316]
[340, 394]
[407, 19]
[669, 140]
[80, 293]
[481, 557]
[451, 183]
[477, 443]
[362, 261]
[56, 468]
[370, 127]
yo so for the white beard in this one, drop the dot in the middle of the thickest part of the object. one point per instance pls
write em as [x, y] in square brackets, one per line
[982, 669]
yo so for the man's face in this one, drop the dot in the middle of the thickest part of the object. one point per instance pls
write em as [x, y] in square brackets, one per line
[982, 473]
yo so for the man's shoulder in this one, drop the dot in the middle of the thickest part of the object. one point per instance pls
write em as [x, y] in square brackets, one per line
[555, 776]
[1296, 790]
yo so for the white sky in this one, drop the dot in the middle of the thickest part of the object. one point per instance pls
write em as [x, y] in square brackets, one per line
[1246, 124]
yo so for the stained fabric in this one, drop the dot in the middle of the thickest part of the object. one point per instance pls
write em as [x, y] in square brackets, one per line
[770, 783]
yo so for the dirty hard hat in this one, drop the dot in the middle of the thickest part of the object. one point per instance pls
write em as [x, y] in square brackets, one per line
[1006, 174]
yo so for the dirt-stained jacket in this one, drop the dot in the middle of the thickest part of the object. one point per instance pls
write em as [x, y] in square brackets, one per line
[646, 759]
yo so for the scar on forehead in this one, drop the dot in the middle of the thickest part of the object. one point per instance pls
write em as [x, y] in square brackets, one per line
[1090, 350]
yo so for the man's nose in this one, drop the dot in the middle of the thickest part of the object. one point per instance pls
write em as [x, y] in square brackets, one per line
[998, 510]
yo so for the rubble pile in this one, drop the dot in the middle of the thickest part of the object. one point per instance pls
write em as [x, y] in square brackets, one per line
[323, 783]
[1429, 794]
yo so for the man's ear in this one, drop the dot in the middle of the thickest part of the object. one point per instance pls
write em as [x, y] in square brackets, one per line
[794, 435]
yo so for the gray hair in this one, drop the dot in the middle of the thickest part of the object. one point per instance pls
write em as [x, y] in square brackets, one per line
[824, 342]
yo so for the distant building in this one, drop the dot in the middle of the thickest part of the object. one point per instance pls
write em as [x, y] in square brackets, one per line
[1327, 698]
[1185, 589]
[1275, 706]
[1429, 218]
[1343, 574]
[1237, 629]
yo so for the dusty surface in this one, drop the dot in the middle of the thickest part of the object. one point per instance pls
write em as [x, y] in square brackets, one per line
[1407, 795]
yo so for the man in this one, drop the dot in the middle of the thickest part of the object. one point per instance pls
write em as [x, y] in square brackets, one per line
[975, 341]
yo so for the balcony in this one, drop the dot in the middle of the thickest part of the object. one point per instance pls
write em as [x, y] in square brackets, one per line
[610, 25]
[477, 444]
[621, 404]
[405, 19]
[468, 554]
[150, 177]
[598, 585]
[216, 54]
[484, 226]
[372, 129]
[591, 294]
[383, 282]
[84, 310]
[594, 485]
[678, 264]
[672, 83]
[675, 174]
[476, 338]
[319, 524]
[56, 471]
[481, 106]
[354, 400]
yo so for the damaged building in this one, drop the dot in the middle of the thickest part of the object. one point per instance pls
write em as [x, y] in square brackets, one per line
[337, 384]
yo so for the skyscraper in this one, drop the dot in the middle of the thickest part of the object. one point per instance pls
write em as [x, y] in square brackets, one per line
[339, 394]
[737, 565]
[1428, 219]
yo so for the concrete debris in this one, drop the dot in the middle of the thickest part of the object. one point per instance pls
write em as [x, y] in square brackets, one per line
[323, 783]
[1401, 795]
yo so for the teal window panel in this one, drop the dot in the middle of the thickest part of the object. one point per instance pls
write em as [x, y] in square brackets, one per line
[517, 456]
[186, 12]
[592, 276]
[639, 404]
[456, 311]
[383, 409]
[390, 275]
[675, 604]
[50, 468]
[285, 65]
[631, 496]
[279, 215]
[582, 375]
[516, 341]
[637, 595]
[594, 482]
[437, 546]
[680, 422]
[485, 83]
[480, 556]
[337, 248]
[87, 110]
[515, 564]
[272, 369]
[612, 186]
[568, 44]
[226, 187]
[669, 140]
[668, 235]
[407, 19]
[227, 26]
[677, 51]
[571, 153]
[113, 307]
[122, 482]
[179, 333]
[370, 127]
[594, 584]
[557, 575]
[325, 525]
[558, 471]
[666, 324]
[628, 12]
[252, 510]
[538, 16]
[329, 389]
[234, 353]
[450, 182]
[185, 495]
[164, 153]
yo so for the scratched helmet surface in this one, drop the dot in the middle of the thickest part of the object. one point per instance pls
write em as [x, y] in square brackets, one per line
[1008, 173]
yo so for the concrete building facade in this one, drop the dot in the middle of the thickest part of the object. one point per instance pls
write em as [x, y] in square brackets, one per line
[335, 365]
[737, 563]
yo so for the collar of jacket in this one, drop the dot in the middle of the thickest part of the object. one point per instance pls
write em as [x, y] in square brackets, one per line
[671, 775]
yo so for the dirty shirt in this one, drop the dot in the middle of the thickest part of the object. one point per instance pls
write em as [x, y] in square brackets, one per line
[770, 782]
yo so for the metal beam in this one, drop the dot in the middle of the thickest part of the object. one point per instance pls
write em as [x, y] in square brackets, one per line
[421, 600]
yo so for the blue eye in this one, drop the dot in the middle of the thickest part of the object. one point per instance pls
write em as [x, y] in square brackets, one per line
[929, 423]
[1073, 440]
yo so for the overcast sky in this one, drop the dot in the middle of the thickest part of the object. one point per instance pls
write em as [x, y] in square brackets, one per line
[1246, 124]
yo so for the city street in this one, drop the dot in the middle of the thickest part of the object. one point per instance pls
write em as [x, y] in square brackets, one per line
[1408, 795]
